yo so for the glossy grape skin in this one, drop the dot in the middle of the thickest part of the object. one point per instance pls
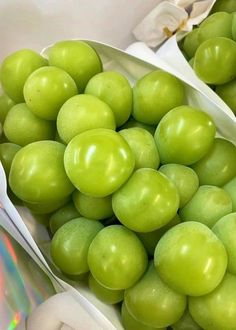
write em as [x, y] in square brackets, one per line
[94, 208]
[107, 296]
[37, 173]
[216, 25]
[216, 310]
[7, 153]
[143, 147]
[207, 206]
[230, 187]
[186, 323]
[117, 258]
[46, 89]
[5, 105]
[62, 215]
[184, 136]
[152, 302]
[151, 238]
[146, 202]
[130, 323]
[225, 230]
[114, 89]
[16, 68]
[196, 262]
[185, 179]
[215, 61]
[154, 95]
[77, 58]
[191, 43]
[228, 6]
[70, 245]
[81, 113]
[217, 167]
[22, 127]
[228, 94]
[98, 162]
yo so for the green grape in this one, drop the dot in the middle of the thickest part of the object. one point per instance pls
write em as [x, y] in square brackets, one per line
[114, 89]
[70, 245]
[207, 206]
[216, 25]
[22, 127]
[130, 323]
[152, 302]
[15, 70]
[185, 179]
[78, 278]
[146, 202]
[191, 43]
[143, 147]
[5, 105]
[234, 26]
[131, 123]
[191, 259]
[217, 167]
[184, 135]
[186, 323]
[230, 187]
[228, 6]
[215, 61]
[117, 258]
[45, 207]
[216, 310]
[77, 58]
[81, 113]
[154, 95]
[228, 94]
[40, 177]
[94, 208]
[98, 162]
[151, 239]
[7, 153]
[225, 230]
[62, 215]
[46, 90]
[191, 62]
[107, 296]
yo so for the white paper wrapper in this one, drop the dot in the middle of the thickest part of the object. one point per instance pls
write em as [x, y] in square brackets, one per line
[170, 17]
[102, 316]
[35, 24]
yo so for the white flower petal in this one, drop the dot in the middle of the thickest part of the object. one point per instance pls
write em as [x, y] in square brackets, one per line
[184, 3]
[201, 10]
[160, 23]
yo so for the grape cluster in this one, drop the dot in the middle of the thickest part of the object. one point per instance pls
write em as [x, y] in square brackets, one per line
[138, 193]
[211, 50]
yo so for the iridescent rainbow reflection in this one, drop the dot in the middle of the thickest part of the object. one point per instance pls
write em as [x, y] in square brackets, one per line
[15, 321]
[22, 283]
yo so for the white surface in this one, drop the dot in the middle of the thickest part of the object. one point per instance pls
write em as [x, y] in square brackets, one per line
[37, 23]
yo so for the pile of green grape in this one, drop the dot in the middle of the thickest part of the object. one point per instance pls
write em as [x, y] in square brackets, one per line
[211, 51]
[138, 193]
